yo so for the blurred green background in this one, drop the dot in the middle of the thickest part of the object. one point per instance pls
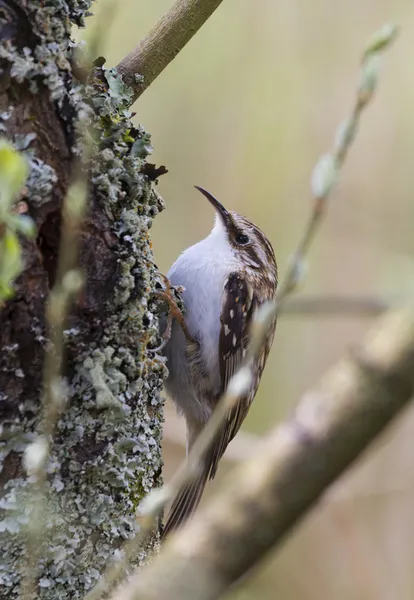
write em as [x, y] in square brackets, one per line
[245, 110]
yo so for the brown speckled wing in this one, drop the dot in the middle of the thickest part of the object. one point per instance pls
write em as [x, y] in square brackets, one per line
[236, 313]
[238, 306]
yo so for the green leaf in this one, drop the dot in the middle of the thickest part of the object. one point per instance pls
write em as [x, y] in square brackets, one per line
[13, 173]
[10, 262]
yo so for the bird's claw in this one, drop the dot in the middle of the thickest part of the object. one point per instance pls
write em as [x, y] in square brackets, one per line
[173, 312]
[165, 336]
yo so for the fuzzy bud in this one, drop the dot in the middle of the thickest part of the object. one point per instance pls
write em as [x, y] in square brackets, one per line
[369, 78]
[324, 177]
[382, 39]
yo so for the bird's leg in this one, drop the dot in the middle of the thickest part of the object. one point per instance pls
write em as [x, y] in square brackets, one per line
[173, 313]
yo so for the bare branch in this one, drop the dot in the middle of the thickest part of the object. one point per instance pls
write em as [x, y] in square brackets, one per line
[328, 306]
[164, 42]
[291, 469]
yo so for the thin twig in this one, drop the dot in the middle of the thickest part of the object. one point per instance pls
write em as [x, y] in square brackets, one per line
[239, 449]
[328, 306]
[68, 284]
[325, 174]
[164, 42]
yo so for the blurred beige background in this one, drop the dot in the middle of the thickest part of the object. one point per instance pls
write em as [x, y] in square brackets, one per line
[245, 110]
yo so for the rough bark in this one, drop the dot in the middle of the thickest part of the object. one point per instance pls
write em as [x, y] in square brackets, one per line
[106, 450]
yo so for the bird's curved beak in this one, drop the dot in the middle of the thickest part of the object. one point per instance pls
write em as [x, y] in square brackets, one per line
[223, 212]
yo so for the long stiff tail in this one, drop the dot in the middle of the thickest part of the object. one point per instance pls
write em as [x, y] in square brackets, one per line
[185, 503]
[188, 498]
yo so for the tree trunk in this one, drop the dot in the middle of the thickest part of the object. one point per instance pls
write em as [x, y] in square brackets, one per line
[105, 453]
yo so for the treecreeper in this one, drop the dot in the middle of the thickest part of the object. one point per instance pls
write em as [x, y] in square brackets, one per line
[225, 278]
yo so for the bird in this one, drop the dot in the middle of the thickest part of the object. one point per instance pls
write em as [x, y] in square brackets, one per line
[223, 280]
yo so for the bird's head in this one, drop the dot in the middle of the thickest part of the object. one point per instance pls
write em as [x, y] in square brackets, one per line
[247, 241]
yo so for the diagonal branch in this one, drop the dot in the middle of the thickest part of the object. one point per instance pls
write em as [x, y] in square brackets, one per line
[164, 42]
[291, 469]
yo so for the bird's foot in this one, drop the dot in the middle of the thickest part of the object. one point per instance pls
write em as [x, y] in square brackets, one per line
[174, 312]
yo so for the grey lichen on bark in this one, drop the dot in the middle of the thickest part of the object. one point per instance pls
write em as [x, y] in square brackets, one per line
[105, 454]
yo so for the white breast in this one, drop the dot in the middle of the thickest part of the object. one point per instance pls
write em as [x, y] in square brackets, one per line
[202, 269]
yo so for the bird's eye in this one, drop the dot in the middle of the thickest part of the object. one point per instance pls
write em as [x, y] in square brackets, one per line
[242, 239]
